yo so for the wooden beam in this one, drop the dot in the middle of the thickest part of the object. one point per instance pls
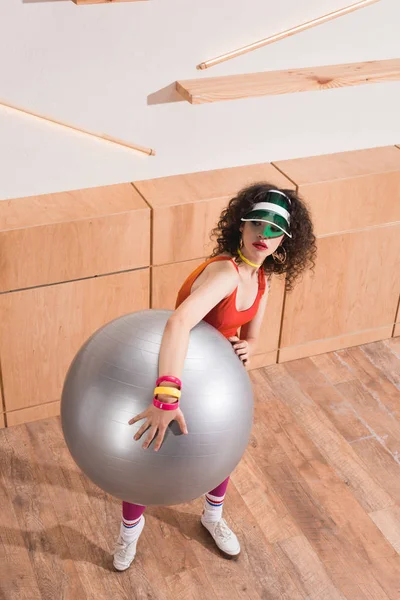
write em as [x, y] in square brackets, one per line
[284, 34]
[104, 1]
[101, 136]
[233, 87]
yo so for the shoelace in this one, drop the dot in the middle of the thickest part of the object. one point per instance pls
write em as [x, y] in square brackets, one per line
[123, 546]
[223, 529]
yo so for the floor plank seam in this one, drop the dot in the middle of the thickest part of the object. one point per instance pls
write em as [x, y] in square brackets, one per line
[377, 366]
[378, 438]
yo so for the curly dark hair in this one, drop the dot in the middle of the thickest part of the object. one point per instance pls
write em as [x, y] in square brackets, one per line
[300, 248]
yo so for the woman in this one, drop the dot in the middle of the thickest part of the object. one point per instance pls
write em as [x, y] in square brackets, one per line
[263, 230]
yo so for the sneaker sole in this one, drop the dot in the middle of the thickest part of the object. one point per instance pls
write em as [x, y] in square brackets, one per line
[122, 569]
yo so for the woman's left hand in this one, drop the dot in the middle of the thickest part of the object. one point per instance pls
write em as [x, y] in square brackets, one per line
[241, 347]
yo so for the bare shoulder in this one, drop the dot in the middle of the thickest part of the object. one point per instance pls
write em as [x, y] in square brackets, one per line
[222, 266]
[217, 271]
[207, 291]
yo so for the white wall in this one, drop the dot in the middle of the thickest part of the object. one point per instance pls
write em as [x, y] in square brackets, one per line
[95, 66]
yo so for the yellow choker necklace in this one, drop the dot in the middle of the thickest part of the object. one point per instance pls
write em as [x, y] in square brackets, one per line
[244, 259]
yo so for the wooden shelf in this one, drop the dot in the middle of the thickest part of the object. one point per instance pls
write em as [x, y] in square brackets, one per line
[233, 87]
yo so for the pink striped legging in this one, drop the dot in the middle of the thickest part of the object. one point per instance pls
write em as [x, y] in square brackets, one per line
[131, 512]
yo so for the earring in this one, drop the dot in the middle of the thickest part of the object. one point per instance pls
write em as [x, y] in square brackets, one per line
[281, 257]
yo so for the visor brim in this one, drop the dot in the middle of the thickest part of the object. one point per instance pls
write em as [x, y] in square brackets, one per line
[269, 217]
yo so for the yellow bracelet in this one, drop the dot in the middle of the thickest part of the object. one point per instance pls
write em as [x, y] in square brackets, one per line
[169, 391]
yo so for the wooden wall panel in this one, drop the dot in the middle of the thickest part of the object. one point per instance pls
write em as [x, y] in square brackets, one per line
[166, 281]
[266, 352]
[34, 413]
[353, 197]
[354, 291]
[72, 235]
[270, 330]
[350, 190]
[187, 207]
[322, 346]
[341, 165]
[2, 420]
[396, 329]
[354, 204]
[43, 328]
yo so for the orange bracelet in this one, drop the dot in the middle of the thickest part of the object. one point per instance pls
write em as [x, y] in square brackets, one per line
[168, 391]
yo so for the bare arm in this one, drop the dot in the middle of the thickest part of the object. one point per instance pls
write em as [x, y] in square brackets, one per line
[221, 280]
[219, 283]
[250, 332]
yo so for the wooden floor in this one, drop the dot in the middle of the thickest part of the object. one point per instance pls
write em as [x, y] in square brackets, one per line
[315, 501]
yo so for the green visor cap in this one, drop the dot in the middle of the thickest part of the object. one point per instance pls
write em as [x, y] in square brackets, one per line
[274, 212]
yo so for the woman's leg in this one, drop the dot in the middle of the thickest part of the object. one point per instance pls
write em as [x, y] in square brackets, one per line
[221, 489]
[131, 516]
[212, 520]
[214, 502]
[132, 524]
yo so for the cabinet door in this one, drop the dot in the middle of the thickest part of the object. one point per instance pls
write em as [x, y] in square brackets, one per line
[352, 297]
[43, 328]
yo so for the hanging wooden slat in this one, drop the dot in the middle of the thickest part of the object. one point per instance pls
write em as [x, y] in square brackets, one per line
[232, 87]
[104, 1]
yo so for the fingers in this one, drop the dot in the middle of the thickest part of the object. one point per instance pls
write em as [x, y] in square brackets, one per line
[242, 352]
[136, 419]
[240, 345]
[159, 438]
[157, 430]
[150, 437]
[243, 355]
[241, 348]
[141, 431]
[182, 423]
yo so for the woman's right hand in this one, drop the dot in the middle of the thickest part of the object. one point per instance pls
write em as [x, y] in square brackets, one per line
[157, 421]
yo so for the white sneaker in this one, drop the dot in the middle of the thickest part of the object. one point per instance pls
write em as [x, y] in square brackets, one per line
[124, 551]
[225, 539]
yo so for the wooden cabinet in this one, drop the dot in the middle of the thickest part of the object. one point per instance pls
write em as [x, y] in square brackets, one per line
[44, 327]
[354, 198]
[349, 191]
[72, 235]
[71, 262]
[351, 299]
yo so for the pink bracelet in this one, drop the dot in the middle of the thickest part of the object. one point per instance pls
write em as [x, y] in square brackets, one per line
[169, 378]
[165, 405]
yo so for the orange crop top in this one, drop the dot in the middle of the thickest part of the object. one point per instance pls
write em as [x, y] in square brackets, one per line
[224, 316]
